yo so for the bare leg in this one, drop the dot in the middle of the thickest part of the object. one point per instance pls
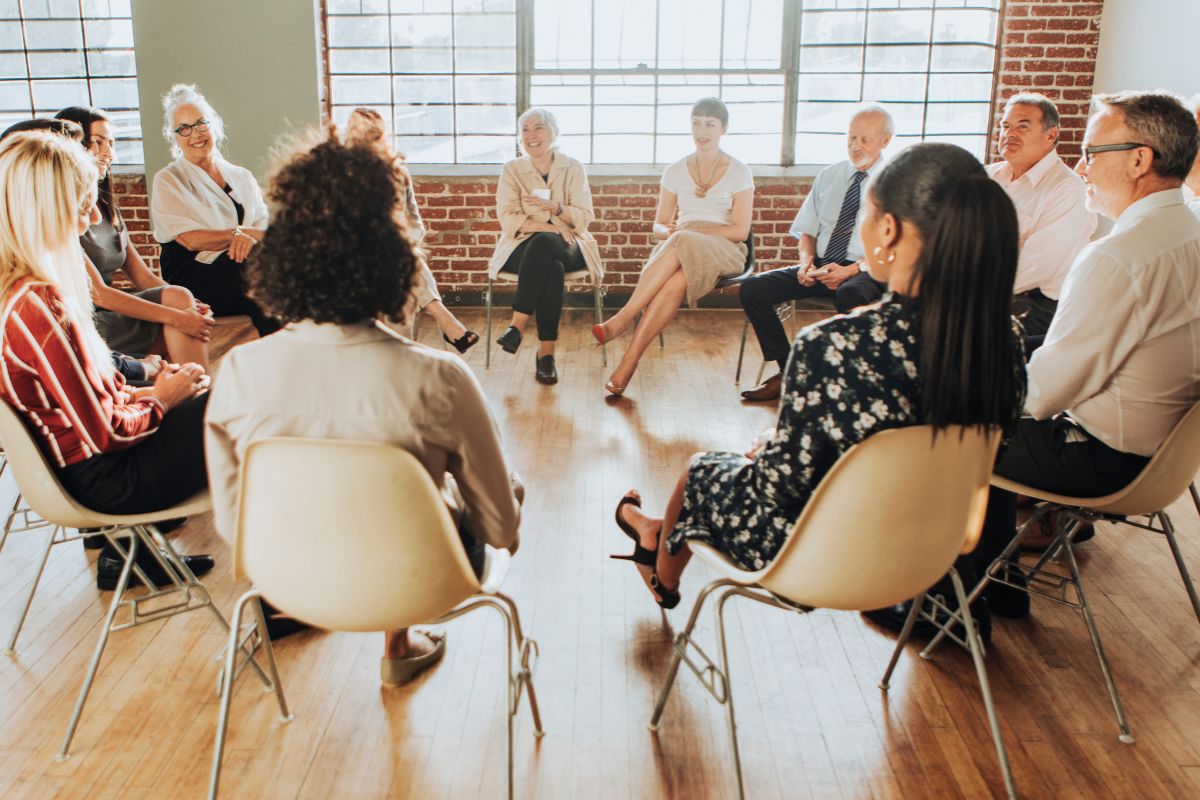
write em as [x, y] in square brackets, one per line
[399, 644]
[659, 313]
[446, 321]
[669, 567]
[648, 286]
[180, 347]
[519, 321]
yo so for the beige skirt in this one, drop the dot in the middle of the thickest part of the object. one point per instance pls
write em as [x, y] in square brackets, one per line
[704, 258]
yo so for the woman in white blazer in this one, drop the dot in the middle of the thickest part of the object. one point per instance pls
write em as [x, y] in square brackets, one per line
[207, 213]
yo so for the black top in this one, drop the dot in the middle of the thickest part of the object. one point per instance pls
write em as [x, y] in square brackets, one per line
[105, 248]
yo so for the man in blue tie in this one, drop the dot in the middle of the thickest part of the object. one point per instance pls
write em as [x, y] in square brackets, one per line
[830, 251]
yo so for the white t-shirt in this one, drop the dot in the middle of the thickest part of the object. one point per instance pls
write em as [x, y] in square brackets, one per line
[717, 204]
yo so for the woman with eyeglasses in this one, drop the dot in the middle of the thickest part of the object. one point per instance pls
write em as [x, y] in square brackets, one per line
[207, 213]
[156, 318]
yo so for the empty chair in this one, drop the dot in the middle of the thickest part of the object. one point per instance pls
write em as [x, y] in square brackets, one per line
[401, 563]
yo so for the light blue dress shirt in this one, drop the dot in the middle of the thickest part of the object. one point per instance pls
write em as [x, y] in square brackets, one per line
[819, 214]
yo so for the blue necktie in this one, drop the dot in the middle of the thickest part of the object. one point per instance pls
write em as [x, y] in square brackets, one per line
[839, 242]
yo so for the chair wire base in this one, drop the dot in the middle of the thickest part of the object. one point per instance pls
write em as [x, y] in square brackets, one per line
[715, 677]
[184, 593]
[518, 682]
[55, 535]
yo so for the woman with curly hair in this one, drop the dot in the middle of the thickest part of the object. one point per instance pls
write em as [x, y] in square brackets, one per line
[366, 127]
[335, 263]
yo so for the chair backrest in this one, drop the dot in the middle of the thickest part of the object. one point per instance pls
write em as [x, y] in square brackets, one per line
[348, 535]
[1166, 477]
[35, 477]
[888, 520]
[747, 268]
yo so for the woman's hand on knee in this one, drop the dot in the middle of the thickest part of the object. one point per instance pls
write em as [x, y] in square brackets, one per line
[177, 384]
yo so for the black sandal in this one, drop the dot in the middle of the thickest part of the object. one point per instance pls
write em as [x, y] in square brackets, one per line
[667, 598]
[463, 343]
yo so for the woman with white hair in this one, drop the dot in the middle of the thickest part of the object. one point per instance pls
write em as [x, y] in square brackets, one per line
[207, 213]
[544, 206]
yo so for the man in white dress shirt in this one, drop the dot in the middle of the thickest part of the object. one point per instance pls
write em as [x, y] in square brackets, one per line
[1051, 206]
[1191, 187]
[1120, 365]
[830, 250]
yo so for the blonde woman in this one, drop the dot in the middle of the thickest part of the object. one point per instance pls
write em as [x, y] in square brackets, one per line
[544, 206]
[115, 450]
[366, 127]
[702, 223]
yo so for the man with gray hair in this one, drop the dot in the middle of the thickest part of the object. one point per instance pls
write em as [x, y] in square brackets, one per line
[1051, 206]
[831, 254]
[1120, 366]
[1191, 186]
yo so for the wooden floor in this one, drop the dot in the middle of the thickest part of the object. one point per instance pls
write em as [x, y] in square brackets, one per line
[812, 721]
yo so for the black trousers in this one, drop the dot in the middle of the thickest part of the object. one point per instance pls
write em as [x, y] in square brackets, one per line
[540, 264]
[221, 284]
[760, 294]
[164, 469]
[1039, 454]
[1035, 311]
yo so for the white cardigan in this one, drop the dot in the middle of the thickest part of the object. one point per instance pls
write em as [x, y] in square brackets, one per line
[186, 199]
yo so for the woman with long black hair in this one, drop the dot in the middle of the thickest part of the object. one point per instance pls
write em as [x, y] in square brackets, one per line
[939, 349]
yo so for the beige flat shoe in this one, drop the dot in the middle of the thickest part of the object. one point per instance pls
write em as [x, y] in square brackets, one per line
[399, 671]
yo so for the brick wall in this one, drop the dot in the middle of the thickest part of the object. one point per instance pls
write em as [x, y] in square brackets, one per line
[1046, 45]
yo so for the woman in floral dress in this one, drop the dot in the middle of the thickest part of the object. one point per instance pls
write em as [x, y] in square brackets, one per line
[940, 349]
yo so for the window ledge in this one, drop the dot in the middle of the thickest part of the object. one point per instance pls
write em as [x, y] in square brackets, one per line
[604, 170]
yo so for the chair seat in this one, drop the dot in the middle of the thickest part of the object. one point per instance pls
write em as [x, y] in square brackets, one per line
[1108, 504]
[723, 564]
[196, 504]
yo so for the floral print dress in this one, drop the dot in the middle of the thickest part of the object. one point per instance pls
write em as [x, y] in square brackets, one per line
[846, 378]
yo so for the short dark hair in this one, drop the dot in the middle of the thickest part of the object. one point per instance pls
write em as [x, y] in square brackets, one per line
[84, 116]
[963, 281]
[711, 107]
[335, 250]
[1162, 120]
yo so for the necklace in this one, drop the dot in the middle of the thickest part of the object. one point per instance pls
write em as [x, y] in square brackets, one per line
[702, 186]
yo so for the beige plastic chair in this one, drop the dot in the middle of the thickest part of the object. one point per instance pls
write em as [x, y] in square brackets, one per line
[1168, 475]
[402, 563]
[572, 280]
[928, 498]
[46, 497]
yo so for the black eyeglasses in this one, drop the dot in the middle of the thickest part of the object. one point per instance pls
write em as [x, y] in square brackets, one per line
[186, 130]
[1090, 152]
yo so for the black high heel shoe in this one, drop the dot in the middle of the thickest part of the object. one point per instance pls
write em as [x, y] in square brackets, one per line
[463, 343]
[667, 598]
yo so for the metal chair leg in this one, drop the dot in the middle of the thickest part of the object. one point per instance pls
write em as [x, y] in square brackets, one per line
[487, 343]
[260, 621]
[105, 630]
[598, 294]
[905, 633]
[681, 644]
[523, 680]
[11, 649]
[737, 376]
[724, 652]
[1195, 496]
[1169, 532]
[1069, 557]
[976, 648]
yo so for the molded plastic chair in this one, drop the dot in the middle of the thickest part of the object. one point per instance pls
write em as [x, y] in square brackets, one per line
[47, 498]
[928, 498]
[401, 564]
[578, 279]
[1167, 476]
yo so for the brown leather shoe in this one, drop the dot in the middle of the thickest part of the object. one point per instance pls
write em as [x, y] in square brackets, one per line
[769, 389]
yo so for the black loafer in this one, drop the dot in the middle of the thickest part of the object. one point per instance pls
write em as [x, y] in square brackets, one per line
[510, 340]
[110, 564]
[546, 373]
[893, 617]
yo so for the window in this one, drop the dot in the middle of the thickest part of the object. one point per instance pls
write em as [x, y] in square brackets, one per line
[620, 75]
[58, 53]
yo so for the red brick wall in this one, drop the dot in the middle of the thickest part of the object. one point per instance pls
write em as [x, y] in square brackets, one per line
[1046, 45]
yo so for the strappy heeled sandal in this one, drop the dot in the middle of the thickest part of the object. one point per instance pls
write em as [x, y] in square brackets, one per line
[667, 598]
[463, 343]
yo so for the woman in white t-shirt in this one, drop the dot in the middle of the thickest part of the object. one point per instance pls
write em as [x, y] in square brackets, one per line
[713, 194]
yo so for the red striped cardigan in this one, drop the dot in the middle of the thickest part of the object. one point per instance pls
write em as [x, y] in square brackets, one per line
[48, 376]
